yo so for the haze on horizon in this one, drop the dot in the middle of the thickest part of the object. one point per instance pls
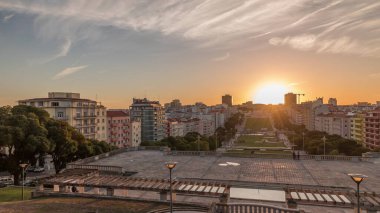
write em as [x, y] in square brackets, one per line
[194, 50]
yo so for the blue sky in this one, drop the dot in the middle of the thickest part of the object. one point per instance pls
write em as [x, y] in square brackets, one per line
[192, 50]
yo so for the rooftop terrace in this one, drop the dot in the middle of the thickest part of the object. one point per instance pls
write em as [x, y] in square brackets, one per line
[151, 164]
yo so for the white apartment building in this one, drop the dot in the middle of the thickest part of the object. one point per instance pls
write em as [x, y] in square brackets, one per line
[78, 112]
[101, 123]
[175, 128]
[334, 124]
[135, 133]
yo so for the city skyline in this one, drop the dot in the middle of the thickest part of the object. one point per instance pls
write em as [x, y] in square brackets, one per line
[193, 50]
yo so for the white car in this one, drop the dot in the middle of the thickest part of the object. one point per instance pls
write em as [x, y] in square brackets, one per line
[39, 169]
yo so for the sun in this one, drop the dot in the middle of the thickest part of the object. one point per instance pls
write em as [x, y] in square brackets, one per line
[270, 93]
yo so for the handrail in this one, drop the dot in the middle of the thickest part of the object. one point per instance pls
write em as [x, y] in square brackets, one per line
[117, 169]
[251, 208]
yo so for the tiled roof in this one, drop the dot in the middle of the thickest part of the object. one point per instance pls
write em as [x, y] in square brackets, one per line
[116, 114]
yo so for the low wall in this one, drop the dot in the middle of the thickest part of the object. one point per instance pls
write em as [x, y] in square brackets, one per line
[274, 156]
[83, 163]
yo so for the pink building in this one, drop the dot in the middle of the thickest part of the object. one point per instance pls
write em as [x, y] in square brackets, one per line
[372, 129]
[118, 128]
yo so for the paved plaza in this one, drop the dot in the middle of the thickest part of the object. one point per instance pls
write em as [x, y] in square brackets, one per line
[284, 171]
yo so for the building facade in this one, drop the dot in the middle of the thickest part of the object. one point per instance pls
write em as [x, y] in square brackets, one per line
[101, 123]
[152, 117]
[358, 128]
[118, 128]
[372, 129]
[77, 112]
[290, 99]
[227, 99]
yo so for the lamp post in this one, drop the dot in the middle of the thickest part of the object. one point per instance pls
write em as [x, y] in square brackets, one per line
[198, 137]
[358, 178]
[23, 166]
[170, 166]
[324, 145]
[216, 141]
[303, 141]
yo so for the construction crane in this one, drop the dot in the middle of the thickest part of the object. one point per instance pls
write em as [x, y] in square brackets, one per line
[299, 98]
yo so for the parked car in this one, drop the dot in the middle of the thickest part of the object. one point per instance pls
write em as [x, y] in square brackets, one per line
[6, 180]
[39, 169]
[2, 185]
[30, 183]
[30, 169]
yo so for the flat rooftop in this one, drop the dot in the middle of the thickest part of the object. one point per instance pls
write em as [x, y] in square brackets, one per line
[269, 171]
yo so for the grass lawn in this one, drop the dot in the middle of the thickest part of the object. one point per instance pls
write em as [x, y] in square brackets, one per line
[256, 141]
[13, 193]
[79, 205]
[256, 124]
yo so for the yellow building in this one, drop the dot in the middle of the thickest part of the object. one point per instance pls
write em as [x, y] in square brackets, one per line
[358, 127]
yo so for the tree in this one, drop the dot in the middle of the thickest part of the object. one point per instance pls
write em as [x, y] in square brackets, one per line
[23, 134]
[64, 140]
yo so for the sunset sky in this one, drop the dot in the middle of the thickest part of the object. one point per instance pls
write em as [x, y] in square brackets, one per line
[192, 50]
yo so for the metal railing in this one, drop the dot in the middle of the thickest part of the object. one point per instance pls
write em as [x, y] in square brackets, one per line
[116, 169]
[251, 208]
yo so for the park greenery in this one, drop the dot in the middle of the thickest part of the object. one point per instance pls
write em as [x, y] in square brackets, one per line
[335, 144]
[13, 193]
[194, 141]
[257, 124]
[28, 133]
[257, 141]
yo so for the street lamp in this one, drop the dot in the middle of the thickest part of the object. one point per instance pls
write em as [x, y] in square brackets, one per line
[303, 141]
[23, 166]
[198, 137]
[170, 165]
[358, 178]
[324, 145]
[216, 141]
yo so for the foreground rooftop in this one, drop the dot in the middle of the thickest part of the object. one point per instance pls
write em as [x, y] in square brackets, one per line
[151, 164]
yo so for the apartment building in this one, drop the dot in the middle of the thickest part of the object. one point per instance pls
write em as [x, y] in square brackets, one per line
[372, 129]
[101, 123]
[334, 124]
[227, 99]
[70, 107]
[175, 128]
[358, 127]
[118, 128]
[152, 117]
[135, 133]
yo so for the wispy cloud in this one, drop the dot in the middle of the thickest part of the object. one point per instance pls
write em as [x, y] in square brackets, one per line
[69, 71]
[321, 26]
[7, 18]
[345, 44]
[63, 50]
[222, 58]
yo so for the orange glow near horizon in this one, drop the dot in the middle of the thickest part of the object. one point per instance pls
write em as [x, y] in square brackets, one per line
[270, 93]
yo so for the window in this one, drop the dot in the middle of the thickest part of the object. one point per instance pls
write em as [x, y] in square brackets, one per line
[40, 103]
[60, 114]
[54, 104]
